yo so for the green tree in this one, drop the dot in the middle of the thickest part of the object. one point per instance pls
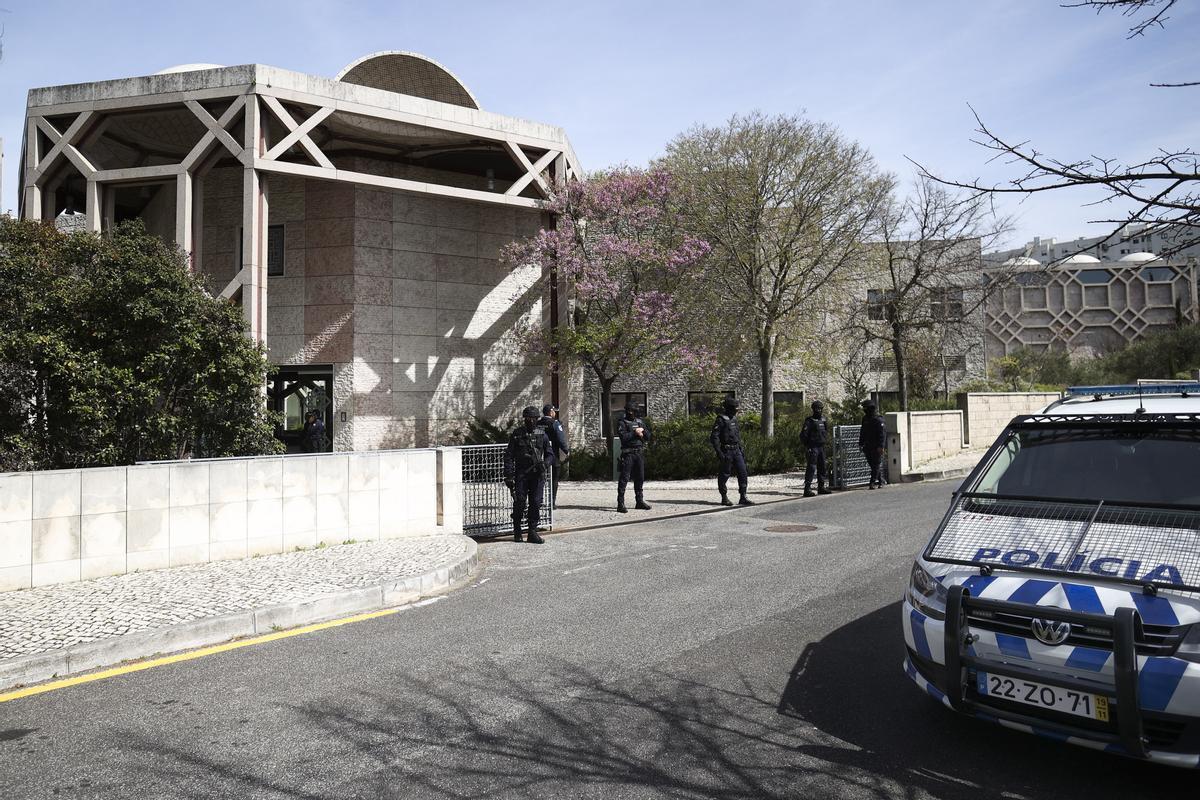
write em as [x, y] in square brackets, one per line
[786, 204]
[112, 352]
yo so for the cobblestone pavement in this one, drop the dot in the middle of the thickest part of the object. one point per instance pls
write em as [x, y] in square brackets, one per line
[53, 617]
[589, 503]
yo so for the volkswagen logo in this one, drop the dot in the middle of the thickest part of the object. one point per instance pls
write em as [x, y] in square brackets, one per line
[1049, 631]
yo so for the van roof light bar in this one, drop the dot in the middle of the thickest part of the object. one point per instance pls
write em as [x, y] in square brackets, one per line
[1139, 389]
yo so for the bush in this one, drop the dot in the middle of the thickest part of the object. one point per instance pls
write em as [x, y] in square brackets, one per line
[679, 449]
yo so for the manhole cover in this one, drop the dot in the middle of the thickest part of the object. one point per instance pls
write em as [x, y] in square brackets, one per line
[790, 528]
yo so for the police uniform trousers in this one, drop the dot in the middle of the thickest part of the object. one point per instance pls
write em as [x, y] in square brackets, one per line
[875, 461]
[633, 465]
[527, 495]
[733, 460]
[816, 461]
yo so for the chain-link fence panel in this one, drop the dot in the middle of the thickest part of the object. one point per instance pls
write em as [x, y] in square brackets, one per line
[487, 502]
[850, 467]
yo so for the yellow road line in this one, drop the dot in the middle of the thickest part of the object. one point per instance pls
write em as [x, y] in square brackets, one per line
[138, 666]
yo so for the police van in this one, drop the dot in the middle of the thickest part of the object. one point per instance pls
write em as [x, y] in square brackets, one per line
[1060, 595]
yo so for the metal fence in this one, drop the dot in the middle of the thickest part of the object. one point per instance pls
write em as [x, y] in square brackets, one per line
[487, 502]
[849, 466]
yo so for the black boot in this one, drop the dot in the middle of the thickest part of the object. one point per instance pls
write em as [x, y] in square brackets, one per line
[621, 509]
[534, 538]
[641, 505]
[808, 492]
[823, 490]
[517, 536]
[745, 501]
[725, 501]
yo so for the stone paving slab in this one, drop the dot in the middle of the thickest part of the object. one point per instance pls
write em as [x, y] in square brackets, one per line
[109, 619]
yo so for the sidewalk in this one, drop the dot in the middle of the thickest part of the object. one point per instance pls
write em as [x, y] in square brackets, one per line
[593, 504]
[958, 465]
[75, 627]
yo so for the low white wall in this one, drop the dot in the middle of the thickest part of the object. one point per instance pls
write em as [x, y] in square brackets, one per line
[987, 413]
[915, 437]
[69, 525]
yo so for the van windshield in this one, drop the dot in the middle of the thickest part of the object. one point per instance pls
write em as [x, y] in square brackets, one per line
[1137, 464]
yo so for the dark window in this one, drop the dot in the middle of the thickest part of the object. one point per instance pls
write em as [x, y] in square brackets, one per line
[879, 303]
[275, 251]
[1031, 278]
[883, 364]
[954, 362]
[789, 404]
[1157, 274]
[700, 403]
[946, 304]
[1093, 276]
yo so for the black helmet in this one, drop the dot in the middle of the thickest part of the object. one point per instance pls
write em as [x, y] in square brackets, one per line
[631, 407]
[817, 405]
[531, 412]
[546, 409]
[868, 405]
[731, 404]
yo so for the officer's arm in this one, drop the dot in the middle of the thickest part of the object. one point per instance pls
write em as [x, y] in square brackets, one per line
[561, 435]
[714, 438]
[547, 451]
[646, 432]
[625, 433]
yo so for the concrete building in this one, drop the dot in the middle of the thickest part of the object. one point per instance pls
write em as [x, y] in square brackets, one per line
[1088, 306]
[357, 219]
[1133, 238]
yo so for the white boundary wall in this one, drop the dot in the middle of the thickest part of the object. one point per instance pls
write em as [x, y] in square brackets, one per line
[988, 413]
[69, 525]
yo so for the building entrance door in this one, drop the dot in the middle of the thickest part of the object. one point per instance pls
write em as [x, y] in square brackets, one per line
[294, 392]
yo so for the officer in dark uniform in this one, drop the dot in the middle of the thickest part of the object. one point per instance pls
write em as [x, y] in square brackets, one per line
[813, 436]
[872, 439]
[525, 461]
[726, 440]
[634, 436]
[558, 441]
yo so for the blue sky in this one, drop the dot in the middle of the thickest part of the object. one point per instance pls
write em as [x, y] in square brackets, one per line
[624, 77]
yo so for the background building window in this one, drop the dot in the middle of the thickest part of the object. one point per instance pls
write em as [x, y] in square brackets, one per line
[1093, 276]
[883, 364]
[946, 303]
[701, 403]
[789, 404]
[879, 303]
[1157, 274]
[275, 251]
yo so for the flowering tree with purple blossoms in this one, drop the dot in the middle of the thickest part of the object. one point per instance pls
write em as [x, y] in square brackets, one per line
[630, 270]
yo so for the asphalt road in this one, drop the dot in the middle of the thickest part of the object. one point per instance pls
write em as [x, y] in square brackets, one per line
[703, 657]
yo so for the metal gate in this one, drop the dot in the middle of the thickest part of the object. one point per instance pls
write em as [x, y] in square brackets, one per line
[849, 466]
[487, 502]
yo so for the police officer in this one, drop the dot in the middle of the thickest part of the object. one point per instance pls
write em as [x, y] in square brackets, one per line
[313, 438]
[634, 436]
[872, 439]
[558, 441]
[813, 436]
[726, 440]
[525, 461]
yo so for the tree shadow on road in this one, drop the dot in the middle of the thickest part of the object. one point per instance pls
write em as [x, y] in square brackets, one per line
[848, 724]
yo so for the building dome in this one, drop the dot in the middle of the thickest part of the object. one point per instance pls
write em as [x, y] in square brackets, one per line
[1078, 260]
[1138, 258]
[1022, 261]
[188, 68]
[408, 73]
